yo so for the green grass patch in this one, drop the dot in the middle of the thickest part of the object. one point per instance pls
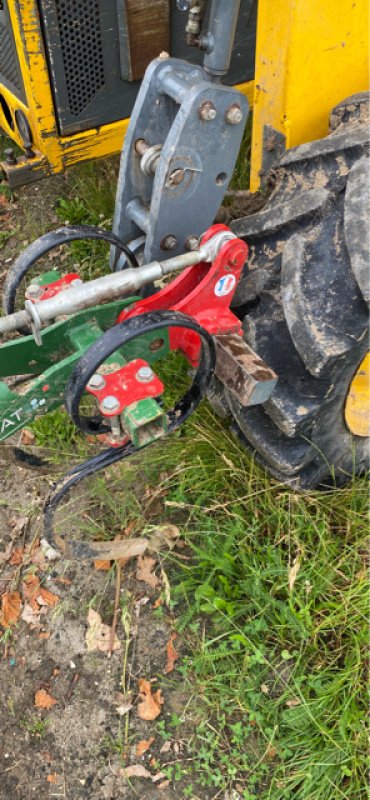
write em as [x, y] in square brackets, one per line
[273, 610]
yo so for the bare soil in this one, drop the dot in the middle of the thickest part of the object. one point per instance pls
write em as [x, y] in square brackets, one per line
[75, 749]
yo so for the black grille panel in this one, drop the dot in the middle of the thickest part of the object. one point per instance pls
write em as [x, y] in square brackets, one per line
[8, 60]
[80, 37]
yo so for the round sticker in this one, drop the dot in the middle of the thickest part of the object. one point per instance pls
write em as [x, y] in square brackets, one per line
[225, 285]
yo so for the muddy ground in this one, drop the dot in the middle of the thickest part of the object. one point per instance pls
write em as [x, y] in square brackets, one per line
[77, 747]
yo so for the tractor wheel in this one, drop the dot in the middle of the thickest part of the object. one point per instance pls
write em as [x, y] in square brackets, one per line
[304, 304]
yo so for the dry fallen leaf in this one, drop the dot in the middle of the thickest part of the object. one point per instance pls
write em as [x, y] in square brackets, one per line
[46, 598]
[10, 609]
[158, 777]
[293, 573]
[18, 523]
[123, 703]
[144, 745]
[271, 752]
[16, 557]
[53, 778]
[166, 747]
[30, 615]
[164, 784]
[163, 536]
[150, 703]
[27, 437]
[44, 700]
[44, 635]
[98, 635]
[172, 654]
[36, 595]
[144, 572]
[294, 702]
[30, 588]
[135, 771]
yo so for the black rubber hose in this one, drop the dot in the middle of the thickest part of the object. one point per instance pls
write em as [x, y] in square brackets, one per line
[96, 354]
[29, 257]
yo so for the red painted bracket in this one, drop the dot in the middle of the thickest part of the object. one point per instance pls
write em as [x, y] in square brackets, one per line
[203, 292]
[126, 386]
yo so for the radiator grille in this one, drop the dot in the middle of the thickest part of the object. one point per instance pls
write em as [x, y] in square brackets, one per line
[8, 61]
[79, 29]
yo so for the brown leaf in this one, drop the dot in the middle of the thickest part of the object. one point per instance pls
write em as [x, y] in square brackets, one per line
[172, 654]
[293, 573]
[98, 635]
[16, 557]
[144, 745]
[294, 702]
[102, 564]
[44, 635]
[30, 590]
[135, 771]
[149, 706]
[271, 752]
[164, 784]
[44, 700]
[53, 778]
[166, 747]
[27, 437]
[163, 536]
[46, 598]
[10, 609]
[18, 523]
[145, 565]
[123, 703]
[30, 615]
[158, 777]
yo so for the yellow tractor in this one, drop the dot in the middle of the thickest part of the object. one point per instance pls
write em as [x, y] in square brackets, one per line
[70, 73]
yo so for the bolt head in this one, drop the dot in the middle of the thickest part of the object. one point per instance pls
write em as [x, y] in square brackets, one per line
[144, 374]
[110, 403]
[192, 243]
[234, 115]
[34, 290]
[169, 243]
[207, 111]
[96, 382]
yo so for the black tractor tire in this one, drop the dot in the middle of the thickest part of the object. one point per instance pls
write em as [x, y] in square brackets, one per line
[304, 301]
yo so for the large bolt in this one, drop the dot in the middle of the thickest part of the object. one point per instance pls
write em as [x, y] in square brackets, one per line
[144, 374]
[34, 291]
[207, 111]
[234, 115]
[110, 404]
[192, 243]
[96, 382]
[169, 242]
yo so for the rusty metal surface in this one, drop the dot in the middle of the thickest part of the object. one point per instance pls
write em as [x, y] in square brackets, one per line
[242, 371]
[147, 34]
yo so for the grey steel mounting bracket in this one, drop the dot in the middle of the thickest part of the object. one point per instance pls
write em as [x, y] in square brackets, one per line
[177, 160]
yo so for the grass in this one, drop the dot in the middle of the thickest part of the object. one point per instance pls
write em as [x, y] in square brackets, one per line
[271, 607]
[278, 671]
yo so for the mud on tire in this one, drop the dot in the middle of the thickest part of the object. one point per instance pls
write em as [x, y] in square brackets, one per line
[304, 303]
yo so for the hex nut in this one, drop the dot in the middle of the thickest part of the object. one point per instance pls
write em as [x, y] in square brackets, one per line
[144, 374]
[169, 242]
[192, 243]
[234, 115]
[110, 403]
[96, 382]
[207, 111]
